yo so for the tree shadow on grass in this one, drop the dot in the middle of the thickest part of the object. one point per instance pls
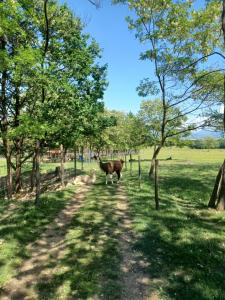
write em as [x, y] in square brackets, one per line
[90, 265]
[184, 241]
[23, 225]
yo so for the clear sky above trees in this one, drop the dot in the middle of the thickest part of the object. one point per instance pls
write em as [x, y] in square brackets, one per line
[120, 50]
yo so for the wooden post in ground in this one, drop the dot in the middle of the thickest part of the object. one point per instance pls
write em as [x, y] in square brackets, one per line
[139, 171]
[37, 172]
[82, 158]
[156, 185]
[62, 164]
[131, 162]
[75, 160]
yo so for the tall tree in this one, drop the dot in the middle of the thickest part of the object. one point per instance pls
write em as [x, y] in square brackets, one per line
[170, 30]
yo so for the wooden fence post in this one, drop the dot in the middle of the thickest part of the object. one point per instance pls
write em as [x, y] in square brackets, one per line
[139, 171]
[131, 162]
[75, 160]
[82, 158]
[62, 164]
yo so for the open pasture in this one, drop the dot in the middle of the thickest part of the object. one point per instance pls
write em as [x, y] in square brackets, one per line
[186, 155]
[184, 241]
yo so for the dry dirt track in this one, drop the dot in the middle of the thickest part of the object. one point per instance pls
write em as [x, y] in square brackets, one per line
[136, 282]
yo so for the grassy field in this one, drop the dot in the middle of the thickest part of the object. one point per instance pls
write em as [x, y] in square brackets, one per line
[187, 155]
[47, 167]
[183, 242]
[178, 155]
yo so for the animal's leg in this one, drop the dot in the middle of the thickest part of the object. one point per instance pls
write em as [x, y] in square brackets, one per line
[111, 176]
[106, 175]
[118, 176]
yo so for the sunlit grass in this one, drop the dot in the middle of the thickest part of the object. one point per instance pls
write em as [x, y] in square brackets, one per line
[90, 266]
[186, 154]
[184, 241]
[50, 166]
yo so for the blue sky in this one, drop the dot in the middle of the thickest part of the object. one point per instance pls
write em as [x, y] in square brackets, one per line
[120, 51]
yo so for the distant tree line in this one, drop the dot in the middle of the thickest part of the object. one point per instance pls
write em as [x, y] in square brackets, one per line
[206, 143]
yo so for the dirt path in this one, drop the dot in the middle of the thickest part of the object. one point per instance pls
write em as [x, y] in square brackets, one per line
[135, 279]
[51, 244]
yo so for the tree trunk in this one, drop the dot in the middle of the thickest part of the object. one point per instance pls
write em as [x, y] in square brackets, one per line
[216, 189]
[221, 199]
[154, 157]
[62, 159]
[75, 160]
[217, 199]
[18, 166]
[218, 193]
[7, 152]
[82, 160]
[9, 175]
[139, 171]
[37, 172]
[156, 185]
[32, 176]
[131, 162]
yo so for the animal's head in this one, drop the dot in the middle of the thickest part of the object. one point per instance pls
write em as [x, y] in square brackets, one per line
[122, 161]
[94, 157]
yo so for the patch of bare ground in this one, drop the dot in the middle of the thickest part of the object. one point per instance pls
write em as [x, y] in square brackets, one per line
[136, 283]
[51, 245]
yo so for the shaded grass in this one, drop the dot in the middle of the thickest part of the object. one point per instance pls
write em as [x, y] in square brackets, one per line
[22, 223]
[184, 241]
[90, 266]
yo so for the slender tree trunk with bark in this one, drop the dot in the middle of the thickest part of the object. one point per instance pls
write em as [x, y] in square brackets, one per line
[37, 172]
[4, 124]
[221, 199]
[18, 173]
[75, 160]
[154, 157]
[131, 163]
[18, 142]
[156, 185]
[82, 158]
[62, 159]
[32, 176]
[9, 179]
[217, 199]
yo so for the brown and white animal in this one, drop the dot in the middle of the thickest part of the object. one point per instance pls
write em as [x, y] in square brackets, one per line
[110, 167]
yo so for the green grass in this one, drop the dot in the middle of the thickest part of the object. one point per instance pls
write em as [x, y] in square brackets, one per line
[184, 241]
[48, 166]
[186, 154]
[23, 224]
[90, 267]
